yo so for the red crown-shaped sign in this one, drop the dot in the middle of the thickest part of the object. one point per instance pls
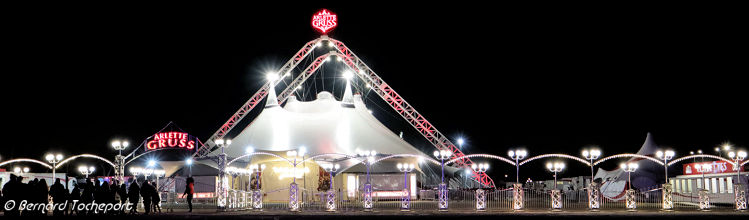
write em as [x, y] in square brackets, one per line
[324, 21]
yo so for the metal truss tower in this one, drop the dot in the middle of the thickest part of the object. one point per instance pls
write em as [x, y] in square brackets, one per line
[377, 84]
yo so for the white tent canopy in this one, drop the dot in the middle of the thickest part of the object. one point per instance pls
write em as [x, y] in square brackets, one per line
[322, 126]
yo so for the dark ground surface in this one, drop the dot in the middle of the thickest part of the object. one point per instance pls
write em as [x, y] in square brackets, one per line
[382, 215]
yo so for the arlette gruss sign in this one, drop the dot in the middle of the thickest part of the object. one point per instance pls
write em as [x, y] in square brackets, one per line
[709, 167]
[175, 140]
[324, 21]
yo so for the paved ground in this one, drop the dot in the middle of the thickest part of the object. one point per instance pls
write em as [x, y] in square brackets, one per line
[433, 215]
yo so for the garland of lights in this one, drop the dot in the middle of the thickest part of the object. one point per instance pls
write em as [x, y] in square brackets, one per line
[555, 155]
[25, 160]
[629, 155]
[702, 155]
[408, 155]
[84, 155]
[482, 156]
[260, 153]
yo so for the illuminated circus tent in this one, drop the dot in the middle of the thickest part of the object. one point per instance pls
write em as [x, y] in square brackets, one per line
[323, 126]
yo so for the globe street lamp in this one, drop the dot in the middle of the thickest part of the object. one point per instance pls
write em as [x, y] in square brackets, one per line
[406, 195]
[739, 189]
[21, 170]
[480, 193]
[594, 201]
[54, 159]
[368, 157]
[86, 170]
[119, 160]
[556, 195]
[631, 203]
[331, 169]
[257, 196]
[668, 203]
[517, 188]
[442, 155]
[517, 155]
[665, 156]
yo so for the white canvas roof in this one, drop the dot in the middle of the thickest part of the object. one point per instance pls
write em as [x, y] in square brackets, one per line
[324, 125]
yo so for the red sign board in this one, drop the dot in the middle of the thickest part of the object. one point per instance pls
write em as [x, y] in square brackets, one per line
[176, 140]
[709, 167]
[324, 21]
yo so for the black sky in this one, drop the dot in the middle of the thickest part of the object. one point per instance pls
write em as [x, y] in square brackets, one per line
[551, 78]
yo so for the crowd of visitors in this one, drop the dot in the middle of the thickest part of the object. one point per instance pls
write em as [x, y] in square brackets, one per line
[37, 192]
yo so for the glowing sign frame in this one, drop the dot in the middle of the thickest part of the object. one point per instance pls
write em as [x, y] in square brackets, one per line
[714, 167]
[324, 21]
[170, 140]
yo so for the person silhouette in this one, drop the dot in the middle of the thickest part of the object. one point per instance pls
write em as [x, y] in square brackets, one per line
[134, 196]
[145, 192]
[59, 196]
[189, 191]
[75, 196]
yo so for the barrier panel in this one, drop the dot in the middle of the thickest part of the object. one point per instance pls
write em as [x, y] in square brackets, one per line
[459, 200]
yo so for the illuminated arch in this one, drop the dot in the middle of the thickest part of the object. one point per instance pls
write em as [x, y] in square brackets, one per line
[260, 153]
[86, 156]
[701, 155]
[744, 163]
[555, 155]
[656, 160]
[408, 155]
[483, 156]
[330, 154]
[25, 160]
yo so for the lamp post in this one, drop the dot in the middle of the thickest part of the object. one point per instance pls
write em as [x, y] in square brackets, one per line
[257, 196]
[630, 196]
[442, 155]
[406, 195]
[480, 193]
[119, 160]
[86, 170]
[556, 195]
[331, 169]
[223, 185]
[594, 198]
[517, 187]
[368, 157]
[54, 159]
[739, 189]
[668, 203]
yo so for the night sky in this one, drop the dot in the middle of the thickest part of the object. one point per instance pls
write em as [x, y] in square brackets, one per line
[547, 78]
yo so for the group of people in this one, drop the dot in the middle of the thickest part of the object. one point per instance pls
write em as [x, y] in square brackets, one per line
[37, 192]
